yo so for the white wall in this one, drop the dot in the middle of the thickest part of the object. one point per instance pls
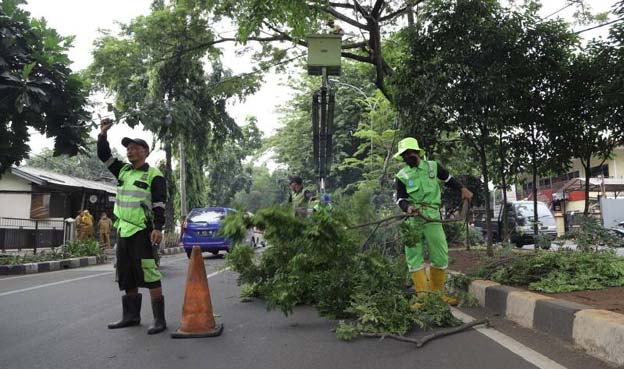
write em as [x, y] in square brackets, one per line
[14, 205]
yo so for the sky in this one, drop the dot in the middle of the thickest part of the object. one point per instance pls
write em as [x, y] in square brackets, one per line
[83, 19]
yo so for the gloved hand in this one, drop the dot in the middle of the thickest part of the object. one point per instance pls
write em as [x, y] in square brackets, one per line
[411, 209]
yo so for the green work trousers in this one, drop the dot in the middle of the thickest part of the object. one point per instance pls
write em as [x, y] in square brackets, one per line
[418, 234]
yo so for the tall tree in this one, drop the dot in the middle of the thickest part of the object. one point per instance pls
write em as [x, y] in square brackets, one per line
[38, 88]
[593, 109]
[170, 93]
[226, 171]
[289, 21]
[466, 62]
[267, 189]
[545, 51]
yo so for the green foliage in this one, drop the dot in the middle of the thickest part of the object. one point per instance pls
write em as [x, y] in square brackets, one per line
[292, 143]
[318, 261]
[39, 90]
[591, 234]
[563, 271]
[226, 173]
[543, 241]
[267, 189]
[83, 248]
[84, 165]
[11, 259]
[455, 232]
[457, 286]
[72, 249]
[592, 106]
[488, 74]
[165, 73]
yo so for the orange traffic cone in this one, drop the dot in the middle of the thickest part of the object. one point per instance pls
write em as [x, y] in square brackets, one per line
[197, 317]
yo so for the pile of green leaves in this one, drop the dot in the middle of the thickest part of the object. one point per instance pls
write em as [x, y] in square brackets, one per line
[318, 261]
[563, 271]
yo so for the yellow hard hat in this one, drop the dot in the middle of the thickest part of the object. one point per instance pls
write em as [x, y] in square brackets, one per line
[408, 143]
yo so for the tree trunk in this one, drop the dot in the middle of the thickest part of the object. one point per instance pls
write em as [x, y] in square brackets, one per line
[504, 236]
[587, 177]
[410, 16]
[486, 192]
[505, 228]
[535, 217]
[183, 202]
[171, 190]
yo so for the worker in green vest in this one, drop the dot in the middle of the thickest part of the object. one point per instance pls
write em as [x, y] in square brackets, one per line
[324, 205]
[140, 212]
[299, 197]
[418, 192]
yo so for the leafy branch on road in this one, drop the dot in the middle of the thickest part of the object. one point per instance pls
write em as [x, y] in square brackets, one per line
[318, 261]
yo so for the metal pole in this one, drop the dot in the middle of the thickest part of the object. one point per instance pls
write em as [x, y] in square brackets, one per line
[36, 236]
[315, 130]
[330, 130]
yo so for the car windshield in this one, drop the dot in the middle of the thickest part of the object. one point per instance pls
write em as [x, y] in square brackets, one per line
[205, 216]
[544, 215]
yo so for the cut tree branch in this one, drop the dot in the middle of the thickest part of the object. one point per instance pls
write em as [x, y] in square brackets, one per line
[420, 342]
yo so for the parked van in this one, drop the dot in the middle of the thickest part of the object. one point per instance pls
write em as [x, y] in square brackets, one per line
[520, 223]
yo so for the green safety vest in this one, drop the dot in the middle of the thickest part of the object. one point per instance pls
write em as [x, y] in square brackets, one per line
[423, 187]
[299, 200]
[133, 204]
[325, 209]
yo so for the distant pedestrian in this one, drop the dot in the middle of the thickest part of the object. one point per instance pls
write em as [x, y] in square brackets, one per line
[78, 227]
[87, 225]
[104, 228]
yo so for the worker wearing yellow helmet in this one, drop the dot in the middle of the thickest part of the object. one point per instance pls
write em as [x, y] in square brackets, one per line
[418, 192]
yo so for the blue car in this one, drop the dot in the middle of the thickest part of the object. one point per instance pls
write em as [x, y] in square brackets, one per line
[201, 228]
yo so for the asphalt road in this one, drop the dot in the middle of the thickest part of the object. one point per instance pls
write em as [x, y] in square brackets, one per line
[58, 320]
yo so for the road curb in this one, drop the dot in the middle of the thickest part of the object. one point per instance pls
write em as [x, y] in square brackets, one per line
[49, 266]
[172, 250]
[599, 332]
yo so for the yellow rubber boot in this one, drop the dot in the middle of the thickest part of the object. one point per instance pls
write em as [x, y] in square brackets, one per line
[421, 285]
[438, 277]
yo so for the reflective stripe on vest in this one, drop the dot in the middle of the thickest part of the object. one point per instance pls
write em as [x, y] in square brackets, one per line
[133, 204]
[422, 184]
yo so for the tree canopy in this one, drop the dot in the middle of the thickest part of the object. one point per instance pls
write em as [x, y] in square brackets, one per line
[39, 90]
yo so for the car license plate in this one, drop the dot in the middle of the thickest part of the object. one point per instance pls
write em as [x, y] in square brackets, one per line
[205, 233]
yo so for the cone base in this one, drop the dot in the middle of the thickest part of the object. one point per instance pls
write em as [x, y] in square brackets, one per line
[213, 333]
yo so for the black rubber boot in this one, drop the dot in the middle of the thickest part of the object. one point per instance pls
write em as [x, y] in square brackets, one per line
[131, 305]
[158, 308]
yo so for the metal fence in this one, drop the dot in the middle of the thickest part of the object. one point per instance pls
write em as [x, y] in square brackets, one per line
[16, 233]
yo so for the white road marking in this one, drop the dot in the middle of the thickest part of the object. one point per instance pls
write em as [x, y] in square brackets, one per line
[78, 279]
[52, 284]
[512, 345]
[217, 272]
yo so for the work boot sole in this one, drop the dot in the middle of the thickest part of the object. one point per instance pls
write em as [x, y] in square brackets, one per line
[123, 324]
[156, 330]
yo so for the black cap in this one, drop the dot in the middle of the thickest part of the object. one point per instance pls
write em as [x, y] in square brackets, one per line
[127, 141]
[295, 179]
